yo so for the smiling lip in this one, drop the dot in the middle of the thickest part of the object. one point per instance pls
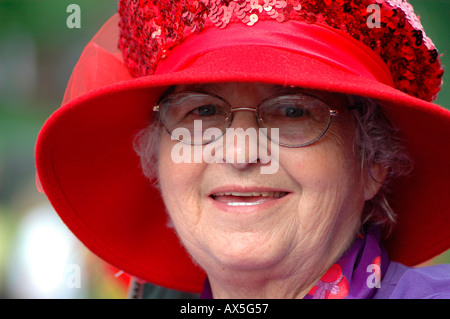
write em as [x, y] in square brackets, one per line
[245, 198]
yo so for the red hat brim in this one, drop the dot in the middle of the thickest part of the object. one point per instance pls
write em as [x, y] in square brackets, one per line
[92, 176]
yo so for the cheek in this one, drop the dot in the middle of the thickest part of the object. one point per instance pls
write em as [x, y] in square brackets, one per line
[178, 169]
[181, 188]
[335, 162]
[177, 181]
[171, 173]
[321, 168]
[327, 174]
[330, 198]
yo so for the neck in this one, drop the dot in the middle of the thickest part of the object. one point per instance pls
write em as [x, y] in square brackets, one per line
[279, 282]
[261, 288]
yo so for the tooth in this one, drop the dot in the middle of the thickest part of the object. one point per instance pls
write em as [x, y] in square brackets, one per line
[241, 194]
[242, 204]
[248, 194]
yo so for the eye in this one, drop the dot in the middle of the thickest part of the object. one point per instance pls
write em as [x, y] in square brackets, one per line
[293, 111]
[204, 110]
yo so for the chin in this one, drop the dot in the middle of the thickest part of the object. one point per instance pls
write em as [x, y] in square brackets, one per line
[246, 253]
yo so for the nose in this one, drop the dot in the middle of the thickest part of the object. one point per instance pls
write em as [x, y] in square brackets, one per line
[241, 139]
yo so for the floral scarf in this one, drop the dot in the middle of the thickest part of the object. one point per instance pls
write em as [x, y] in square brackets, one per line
[357, 274]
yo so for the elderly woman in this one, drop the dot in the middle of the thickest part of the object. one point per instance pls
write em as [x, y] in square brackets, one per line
[257, 149]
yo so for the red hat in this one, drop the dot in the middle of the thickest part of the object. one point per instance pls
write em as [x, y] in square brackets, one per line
[91, 174]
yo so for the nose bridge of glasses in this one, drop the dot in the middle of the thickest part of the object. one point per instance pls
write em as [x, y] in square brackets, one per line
[236, 109]
[243, 121]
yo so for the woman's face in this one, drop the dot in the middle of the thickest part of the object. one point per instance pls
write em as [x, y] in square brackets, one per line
[229, 216]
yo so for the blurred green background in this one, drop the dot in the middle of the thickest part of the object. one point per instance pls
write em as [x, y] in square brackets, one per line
[37, 53]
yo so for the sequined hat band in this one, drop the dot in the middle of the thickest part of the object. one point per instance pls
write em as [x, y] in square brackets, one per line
[319, 41]
[152, 29]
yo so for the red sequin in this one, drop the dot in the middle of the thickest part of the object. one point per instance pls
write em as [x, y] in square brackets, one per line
[151, 28]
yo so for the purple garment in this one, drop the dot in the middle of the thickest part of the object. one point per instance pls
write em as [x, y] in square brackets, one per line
[402, 282]
[364, 271]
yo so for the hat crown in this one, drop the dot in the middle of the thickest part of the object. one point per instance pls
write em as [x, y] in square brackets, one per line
[150, 29]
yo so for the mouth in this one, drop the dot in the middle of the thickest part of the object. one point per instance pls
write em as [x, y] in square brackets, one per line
[251, 198]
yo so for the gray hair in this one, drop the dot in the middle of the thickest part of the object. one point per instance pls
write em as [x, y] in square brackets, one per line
[146, 144]
[376, 142]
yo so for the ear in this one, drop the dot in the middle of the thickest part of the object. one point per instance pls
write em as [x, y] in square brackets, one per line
[373, 180]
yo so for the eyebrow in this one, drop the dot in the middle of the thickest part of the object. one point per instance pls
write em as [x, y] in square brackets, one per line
[274, 89]
[215, 88]
[207, 87]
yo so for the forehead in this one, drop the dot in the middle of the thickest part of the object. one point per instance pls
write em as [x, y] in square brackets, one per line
[262, 90]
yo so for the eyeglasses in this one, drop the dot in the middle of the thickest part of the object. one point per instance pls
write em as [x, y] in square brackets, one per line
[301, 119]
